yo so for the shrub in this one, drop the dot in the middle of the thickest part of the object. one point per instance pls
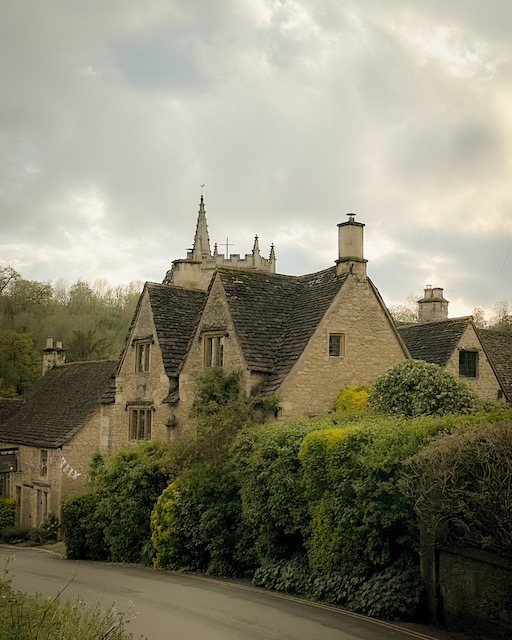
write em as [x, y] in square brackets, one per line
[461, 485]
[352, 399]
[267, 467]
[16, 533]
[221, 409]
[7, 512]
[48, 530]
[82, 530]
[196, 521]
[414, 387]
[127, 485]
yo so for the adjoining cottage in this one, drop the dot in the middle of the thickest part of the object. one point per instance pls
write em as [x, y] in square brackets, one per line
[301, 338]
[46, 445]
[483, 359]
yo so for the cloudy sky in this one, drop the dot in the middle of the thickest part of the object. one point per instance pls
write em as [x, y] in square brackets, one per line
[290, 112]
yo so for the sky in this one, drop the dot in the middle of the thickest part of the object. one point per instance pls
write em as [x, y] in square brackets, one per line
[291, 113]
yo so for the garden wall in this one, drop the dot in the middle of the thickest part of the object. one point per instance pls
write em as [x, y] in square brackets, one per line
[474, 592]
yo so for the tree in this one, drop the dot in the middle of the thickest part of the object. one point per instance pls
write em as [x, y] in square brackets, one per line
[87, 345]
[19, 368]
[8, 275]
[502, 319]
[407, 312]
[415, 387]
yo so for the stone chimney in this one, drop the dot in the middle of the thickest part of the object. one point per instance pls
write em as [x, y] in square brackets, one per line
[432, 307]
[351, 247]
[53, 355]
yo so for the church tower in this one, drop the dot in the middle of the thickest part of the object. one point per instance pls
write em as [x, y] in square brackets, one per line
[196, 270]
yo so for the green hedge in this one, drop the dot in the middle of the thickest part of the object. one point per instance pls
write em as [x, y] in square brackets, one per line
[82, 530]
[7, 512]
[127, 487]
[196, 523]
[269, 473]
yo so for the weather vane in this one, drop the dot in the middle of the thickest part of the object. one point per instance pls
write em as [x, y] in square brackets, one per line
[202, 187]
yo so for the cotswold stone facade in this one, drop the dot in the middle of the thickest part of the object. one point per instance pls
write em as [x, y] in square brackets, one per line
[53, 436]
[298, 338]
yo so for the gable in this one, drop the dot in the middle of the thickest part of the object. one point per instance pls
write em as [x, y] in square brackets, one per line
[275, 316]
[434, 342]
[59, 405]
[498, 347]
[172, 313]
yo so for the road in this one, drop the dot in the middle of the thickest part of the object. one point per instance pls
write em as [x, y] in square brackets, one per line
[180, 607]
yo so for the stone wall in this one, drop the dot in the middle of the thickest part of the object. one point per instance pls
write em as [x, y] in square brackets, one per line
[66, 474]
[215, 316]
[475, 591]
[485, 383]
[371, 347]
[134, 387]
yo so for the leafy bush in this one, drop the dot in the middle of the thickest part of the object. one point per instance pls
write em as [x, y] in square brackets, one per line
[126, 487]
[415, 387]
[352, 399]
[83, 532]
[16, 533]
[267, 467]
[461, 485]
[196, 521]
[7, 512]
[221, 409]
[48, 530]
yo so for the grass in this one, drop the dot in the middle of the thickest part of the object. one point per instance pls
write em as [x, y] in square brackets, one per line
[24, 617]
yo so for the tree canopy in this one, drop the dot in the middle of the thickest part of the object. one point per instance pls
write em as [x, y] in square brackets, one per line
[91, 320]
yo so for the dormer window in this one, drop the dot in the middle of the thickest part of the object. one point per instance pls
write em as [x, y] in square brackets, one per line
[468, 364]
[142, 354]
[214, 350]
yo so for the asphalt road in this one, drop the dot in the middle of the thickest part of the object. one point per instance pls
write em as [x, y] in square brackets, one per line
[180, 607]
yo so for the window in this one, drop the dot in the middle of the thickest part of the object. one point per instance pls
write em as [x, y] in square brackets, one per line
[142, 353]
[140, 423]
[468, 363]
[43, 462]
[214, 350]
[336, 344]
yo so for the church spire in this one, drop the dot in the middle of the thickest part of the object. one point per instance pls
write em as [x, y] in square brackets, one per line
[256, 247]
[272, 258]
[201, 247]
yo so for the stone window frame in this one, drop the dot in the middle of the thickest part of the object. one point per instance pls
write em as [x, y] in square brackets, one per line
[137, 411]
[213, 349]
[142, 354]
[44, 458]
[468, 363]
[336, 344]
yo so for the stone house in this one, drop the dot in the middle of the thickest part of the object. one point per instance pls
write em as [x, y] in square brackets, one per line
[300, 338]
[483, 359]
[46, 445]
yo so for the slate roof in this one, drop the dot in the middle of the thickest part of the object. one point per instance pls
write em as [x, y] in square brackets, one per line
[498, 347]
[276, 315]
[8, 406]
[434, 341]
[59, 405]
[175, 314]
